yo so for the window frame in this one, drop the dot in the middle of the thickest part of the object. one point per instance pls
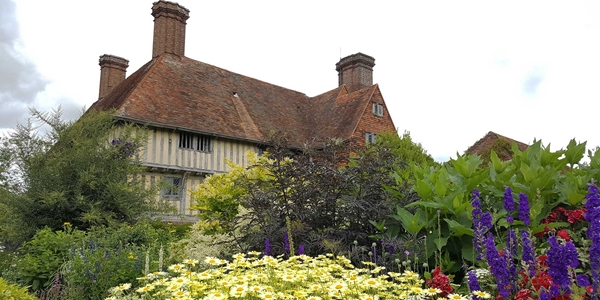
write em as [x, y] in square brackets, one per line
[169, 192]
[195, 141]
[370, 138]
[377, 109]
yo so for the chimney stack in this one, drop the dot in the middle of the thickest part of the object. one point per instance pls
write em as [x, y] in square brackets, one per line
[355, 71]
[112, 72]
[169, 28]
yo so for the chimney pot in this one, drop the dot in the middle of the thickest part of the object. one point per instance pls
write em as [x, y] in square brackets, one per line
[355, 71]
[169, 28]
[112, 72]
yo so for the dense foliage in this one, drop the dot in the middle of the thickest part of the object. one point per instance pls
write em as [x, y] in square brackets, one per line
[307, 198]
[443, 215]
[77, 172]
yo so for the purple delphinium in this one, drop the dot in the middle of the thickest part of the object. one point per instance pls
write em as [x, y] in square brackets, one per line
[498, 266]
[267, 247]
[482, 222]
[512, 255]
[474, 283]
[560, 258]
[528, 256]
[544, 295]
[301, 249]
[286, 244]
[592, 215]
[509, 204]
[524, 209]
[583, 280]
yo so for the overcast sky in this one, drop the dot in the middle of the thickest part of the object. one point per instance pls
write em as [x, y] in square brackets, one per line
[449, 71]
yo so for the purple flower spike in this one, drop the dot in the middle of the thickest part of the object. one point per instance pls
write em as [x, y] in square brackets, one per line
[524, 209]
[301, 249]
[482, 222]
[286, 243]
[267, 247]
[592, 215]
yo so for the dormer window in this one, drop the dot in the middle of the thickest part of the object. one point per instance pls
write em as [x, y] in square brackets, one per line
[377, 109]
[370, 138]
[194, 141]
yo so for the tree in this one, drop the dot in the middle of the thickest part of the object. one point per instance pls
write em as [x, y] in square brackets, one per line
[326, 204]
[81, 172]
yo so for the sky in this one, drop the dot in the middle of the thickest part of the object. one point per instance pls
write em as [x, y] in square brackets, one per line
[449, 71]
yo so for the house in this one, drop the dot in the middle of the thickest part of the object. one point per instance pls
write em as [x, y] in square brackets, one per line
[199, 114]
[500, 144]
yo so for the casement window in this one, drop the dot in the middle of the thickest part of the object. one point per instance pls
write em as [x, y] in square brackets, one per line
[194, 141]
[370, 137]
[173, 188]
[377, 109]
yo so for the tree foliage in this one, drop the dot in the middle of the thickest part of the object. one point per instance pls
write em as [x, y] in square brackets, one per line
[81, 172]
[329, 203]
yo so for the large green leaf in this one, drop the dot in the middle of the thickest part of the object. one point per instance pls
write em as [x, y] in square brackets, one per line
[574, 152]
[459, 229]
[440, 242]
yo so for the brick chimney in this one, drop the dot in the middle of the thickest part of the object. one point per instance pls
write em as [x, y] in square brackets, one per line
[169, 28]
[355, 71]
[112, 72]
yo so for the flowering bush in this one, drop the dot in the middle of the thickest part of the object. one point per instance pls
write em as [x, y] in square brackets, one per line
[299, 277]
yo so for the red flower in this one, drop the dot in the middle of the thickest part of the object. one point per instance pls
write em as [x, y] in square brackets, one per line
[441, 282]
[524, 294]
[542, 279]
[564, 235]
[575, 215]
[546, 229]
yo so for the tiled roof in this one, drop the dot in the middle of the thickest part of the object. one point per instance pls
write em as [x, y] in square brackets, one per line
[487, 141]
[179, 92]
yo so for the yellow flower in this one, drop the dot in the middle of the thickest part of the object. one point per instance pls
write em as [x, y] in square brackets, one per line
[482, 294]
[456, 297]
[213, 261]
[177, 268]
[145, 288]
[268, 295]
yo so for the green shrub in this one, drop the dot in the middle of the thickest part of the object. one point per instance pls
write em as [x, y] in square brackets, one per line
[116, 254]
[9, 291]
[44, 255]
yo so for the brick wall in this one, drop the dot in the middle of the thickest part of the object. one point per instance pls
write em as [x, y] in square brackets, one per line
[372, 123]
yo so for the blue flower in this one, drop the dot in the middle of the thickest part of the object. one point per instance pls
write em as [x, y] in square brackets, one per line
[528, 256]
[524, 209]
[592, 215]
[498, 266]
[560, 258]
[267, 247]
[482, 222]
[474, 283]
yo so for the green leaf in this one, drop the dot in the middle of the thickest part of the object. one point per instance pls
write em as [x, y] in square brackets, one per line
[423, 189]
[440, 242]
[459, 229]
[497, 164]
[575, 198]
[527, 173]
[426, 204]
[574, 152]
